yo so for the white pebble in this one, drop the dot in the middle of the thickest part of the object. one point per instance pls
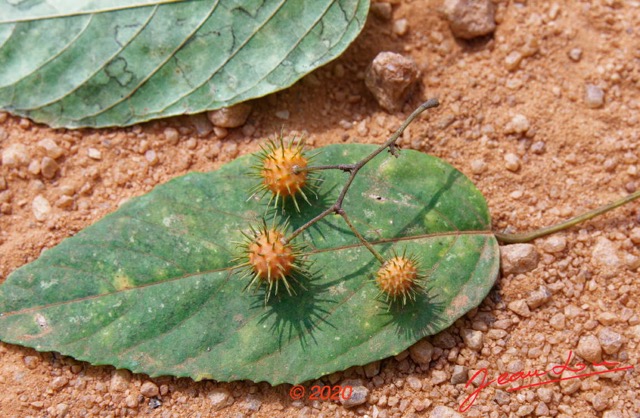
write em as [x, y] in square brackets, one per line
[152, 157]
[15, 155]
[50, 148]
[149, 389]
[40, 207]
[48, 167]
[478, 166]
[94, 154]
[575, 54]
[593, 96]
[519, 124]
[512, 61]
[512, 162]
[520, 307]
[605, 253]
[171, 135]
[400, 27]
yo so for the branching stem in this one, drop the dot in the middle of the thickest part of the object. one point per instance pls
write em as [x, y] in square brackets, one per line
[353, 170]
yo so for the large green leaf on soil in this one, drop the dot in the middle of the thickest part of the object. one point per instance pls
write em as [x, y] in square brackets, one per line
[132, 64]
[153, 288]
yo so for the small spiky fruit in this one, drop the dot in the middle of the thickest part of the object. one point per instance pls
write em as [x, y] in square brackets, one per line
[270, 259]
[282, 174]
[398, 278]
[278, 171]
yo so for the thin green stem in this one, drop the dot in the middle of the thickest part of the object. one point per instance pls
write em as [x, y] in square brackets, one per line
[530, 236]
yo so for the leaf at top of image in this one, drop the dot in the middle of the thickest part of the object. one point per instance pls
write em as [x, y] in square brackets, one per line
[154, 288]
[124, 62]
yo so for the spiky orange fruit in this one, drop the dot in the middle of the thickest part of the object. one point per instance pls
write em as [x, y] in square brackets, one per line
[269, 257]
[398, 278]
[278, 173]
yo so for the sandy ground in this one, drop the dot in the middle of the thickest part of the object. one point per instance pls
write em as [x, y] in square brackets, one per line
[567, 158]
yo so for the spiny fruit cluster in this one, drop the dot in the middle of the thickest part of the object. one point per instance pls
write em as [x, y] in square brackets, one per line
[271, 260]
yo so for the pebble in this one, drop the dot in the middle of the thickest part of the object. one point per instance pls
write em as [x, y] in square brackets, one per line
[519, 124]
[131, 401]
[400, 27]
[634, 235]
[152, 157]
[601, 400]
[59, 382]
[589, 349]
[593, 96]
[575, 54]
[610, 340]
[230, 117]
[40, 207]
[460, 374]
[49, 167]
[15, 155]
[512, 162]
[612, 414]
[554, 244]
[94, 154]
[391, 78]
[607, 318]
[538, 147]
[518, 258]
[478, 166]
[525, 410]
[120, 381]
[520, 307]
[64, 202]
[382, 10]
[171, 135]
[444, 412]
[538, 297]
[569, 385]
[439, 376]
[414, 383]
[34, 167]
[3, 183]
[49, 147]
[31, 362]
[472, 339]
[359, 393]
[202, 124]
[149, 389]
[558, 321]
[220, 398]
[512, 60]
[605, 253]
[372, 369]
[421, 352]
[470, 18]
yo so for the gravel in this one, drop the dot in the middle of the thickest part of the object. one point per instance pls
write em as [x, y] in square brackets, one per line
[520, 307]
[41, 208]
[589, 349]
[149, 389]
[219, 398]
[512, 162]
[470, 19]
[610, 340]
[593, 96]
[391, 78]
[472, 339]
[421, 352]
[518, 258]
[15, 155]
[230, 117]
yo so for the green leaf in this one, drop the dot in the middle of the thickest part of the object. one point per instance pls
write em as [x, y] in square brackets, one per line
[152, 287]
[133, 64]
